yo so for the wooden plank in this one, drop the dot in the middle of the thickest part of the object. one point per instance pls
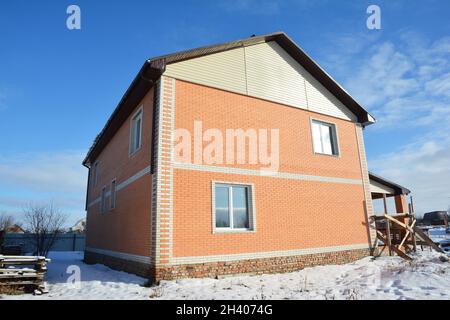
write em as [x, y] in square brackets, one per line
[425, 238]
[27, 258]
[16, 269]
[407, 234]
[21, 283]
[397, 251]
[388, 225]
[398, 222]
[17, 276]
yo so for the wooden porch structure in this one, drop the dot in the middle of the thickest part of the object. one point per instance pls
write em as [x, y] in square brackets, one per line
[397, 232]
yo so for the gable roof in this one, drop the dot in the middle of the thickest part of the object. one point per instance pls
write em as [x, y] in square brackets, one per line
[153, 68]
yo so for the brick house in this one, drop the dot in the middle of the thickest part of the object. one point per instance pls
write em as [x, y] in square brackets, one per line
[164, 213]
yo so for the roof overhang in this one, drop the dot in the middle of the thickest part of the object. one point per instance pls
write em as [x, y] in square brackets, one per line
[381, 185]
[148, 75]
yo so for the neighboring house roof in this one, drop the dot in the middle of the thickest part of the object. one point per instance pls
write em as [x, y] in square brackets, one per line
[153, 68]
[80, 226]
[15, 229]
[398, 189]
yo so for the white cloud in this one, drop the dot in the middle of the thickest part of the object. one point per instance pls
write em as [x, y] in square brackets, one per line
[439, 86]
[43, 177]
[423, 167]
[44, 172]
[405, 83]
[384, 77]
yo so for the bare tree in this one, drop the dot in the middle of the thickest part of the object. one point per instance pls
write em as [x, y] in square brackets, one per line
[6, 221]
[45, 223]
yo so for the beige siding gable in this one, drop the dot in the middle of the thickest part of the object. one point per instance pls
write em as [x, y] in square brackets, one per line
[323, 101]
[223, 70]
[263, 71]
[274, 75]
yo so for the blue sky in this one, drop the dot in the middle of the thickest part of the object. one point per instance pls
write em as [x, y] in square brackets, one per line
[58, 87]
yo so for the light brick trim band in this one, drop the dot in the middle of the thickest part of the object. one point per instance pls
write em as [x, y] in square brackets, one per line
[261, 255]
[162, 194]
[371, 229]
[230, 257]
[262, 173]
[123, 184]
[121, 255]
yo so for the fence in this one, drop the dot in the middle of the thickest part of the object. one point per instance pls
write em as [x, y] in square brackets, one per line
[64, 242]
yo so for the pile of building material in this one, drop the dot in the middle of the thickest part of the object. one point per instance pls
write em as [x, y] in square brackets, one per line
[23, 273]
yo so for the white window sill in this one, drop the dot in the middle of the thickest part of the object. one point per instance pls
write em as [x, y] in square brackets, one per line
[226, 230]
[326, 154]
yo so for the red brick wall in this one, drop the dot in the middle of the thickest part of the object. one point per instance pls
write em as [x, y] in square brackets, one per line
[127, 228]
[226, 110]
[290, 214]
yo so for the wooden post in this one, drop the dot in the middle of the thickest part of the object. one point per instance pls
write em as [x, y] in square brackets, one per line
[388, 225]
[412, 221]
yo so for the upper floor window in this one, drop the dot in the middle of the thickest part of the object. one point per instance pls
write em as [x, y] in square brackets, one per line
[112, 203]
[136, 132]
[103, 200]
[95, 174]
[232, 207]
[324, 138]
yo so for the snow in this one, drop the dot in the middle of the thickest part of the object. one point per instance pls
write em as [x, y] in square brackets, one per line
[97, 281]
[426, 277]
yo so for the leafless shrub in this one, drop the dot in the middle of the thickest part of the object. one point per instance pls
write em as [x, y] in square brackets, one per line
[156, 292]
[45, 223]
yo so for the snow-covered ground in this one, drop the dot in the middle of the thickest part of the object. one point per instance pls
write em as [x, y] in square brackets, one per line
[427, 277]
[441, 235]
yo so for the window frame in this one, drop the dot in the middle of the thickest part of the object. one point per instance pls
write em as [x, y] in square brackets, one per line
[103, 200]
[334, 137]
[95, 174]
[139, 114]
[250, 207]
[112, 196]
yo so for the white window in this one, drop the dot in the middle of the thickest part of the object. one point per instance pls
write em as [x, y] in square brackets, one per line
[232, 207]
[102, 200]
[112, 200]
[95, 174]
[136, 132]
[324, 138]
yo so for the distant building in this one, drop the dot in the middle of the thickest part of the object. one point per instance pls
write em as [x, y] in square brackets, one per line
[79, 227]
[436, 218]
[14, 229]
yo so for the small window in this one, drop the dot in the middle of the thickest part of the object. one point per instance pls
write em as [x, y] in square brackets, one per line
[136, 132]
[324, 138]
[232, 206]
[102, 200]
[95, 174]
[112, 203]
